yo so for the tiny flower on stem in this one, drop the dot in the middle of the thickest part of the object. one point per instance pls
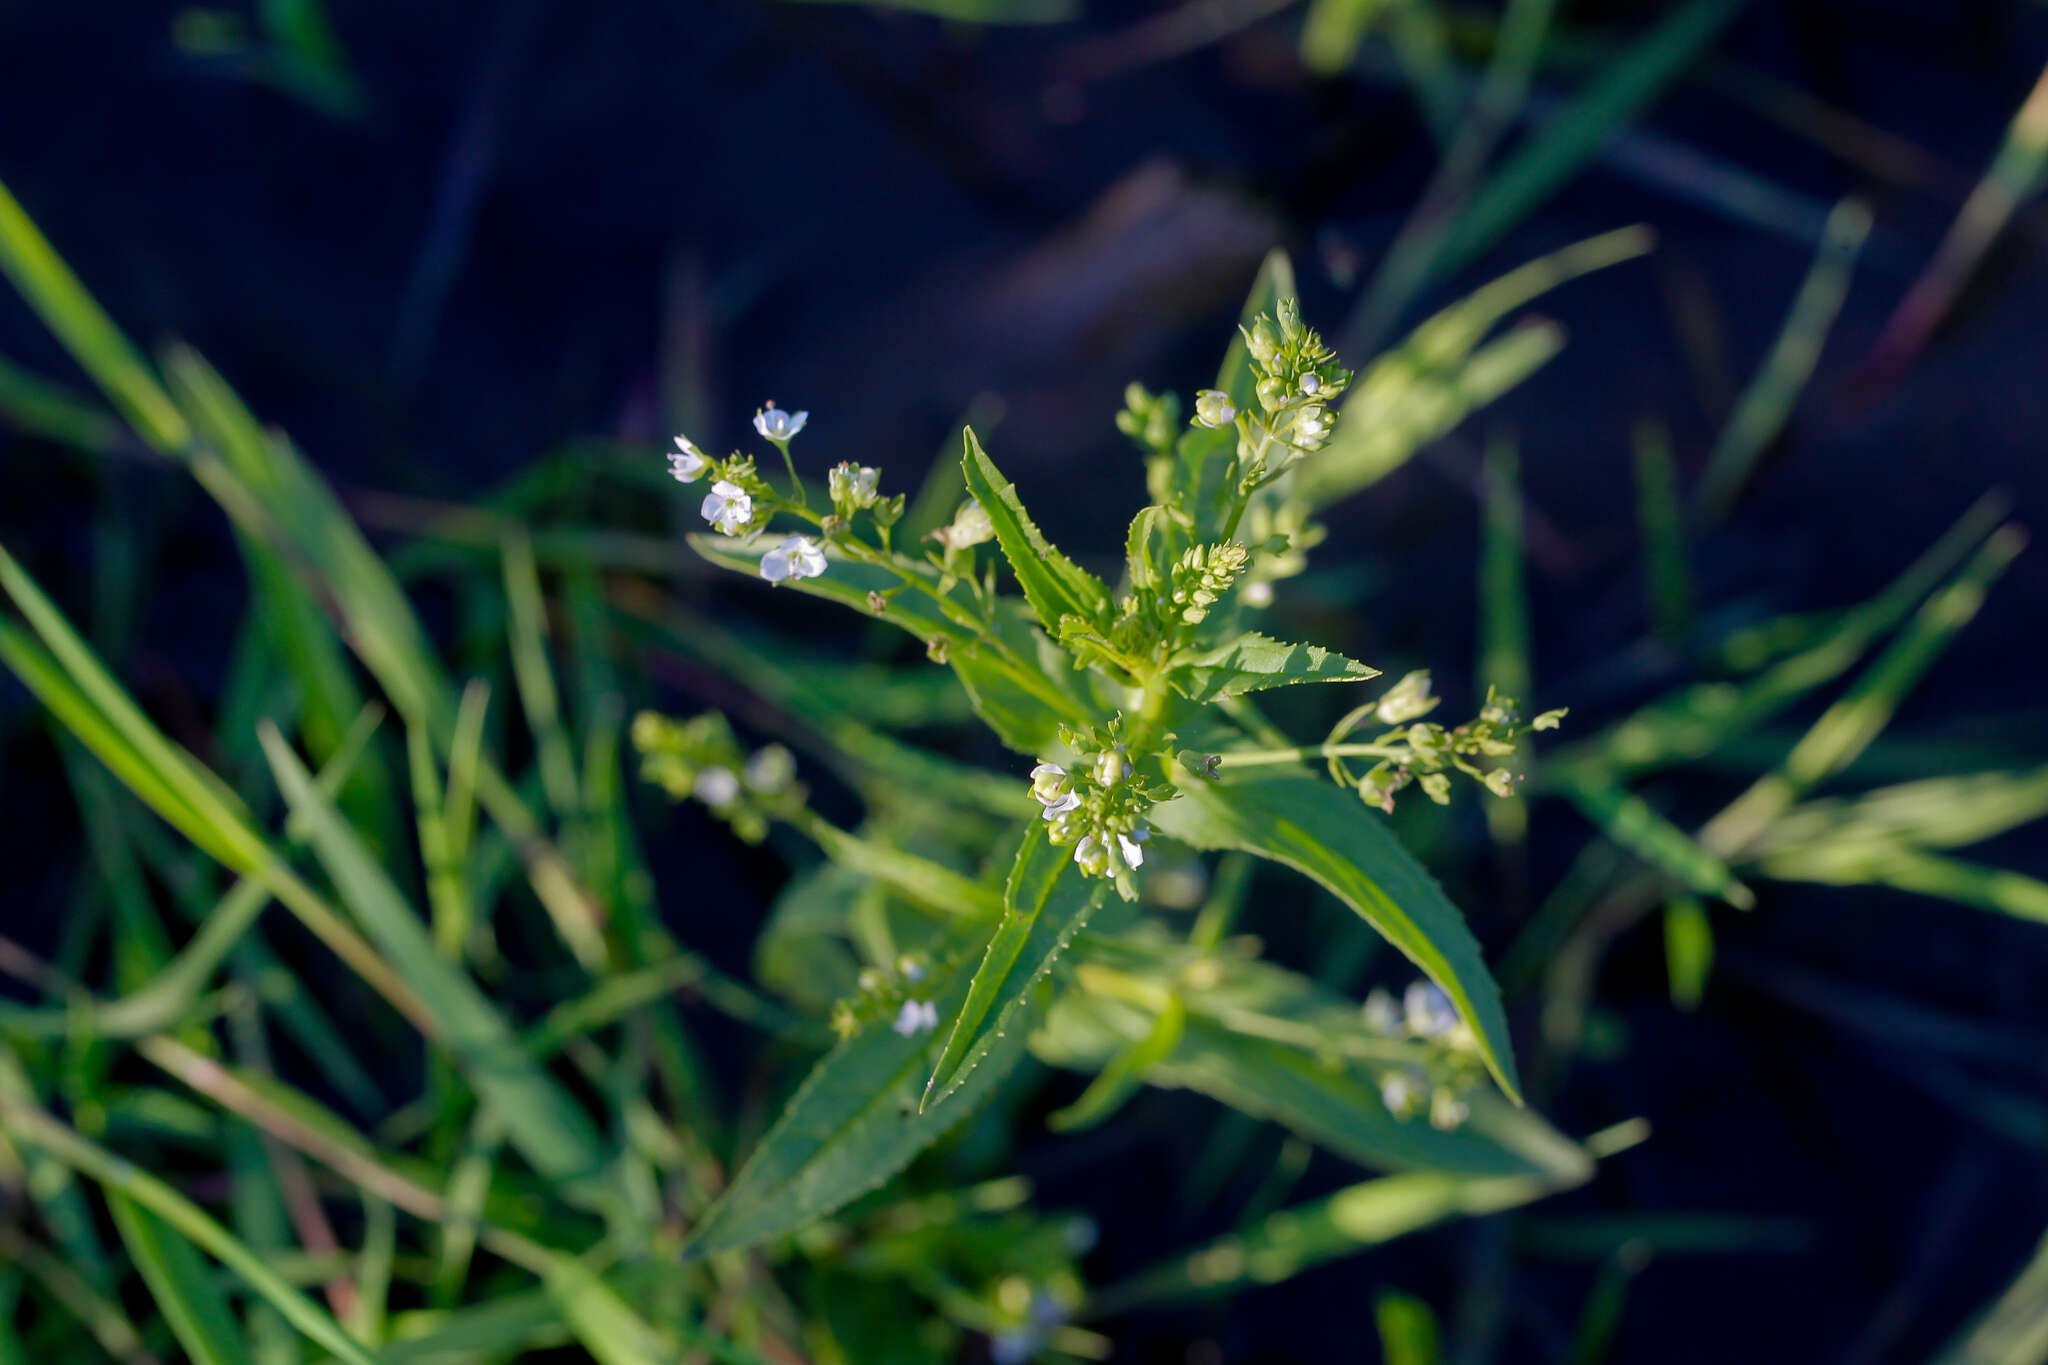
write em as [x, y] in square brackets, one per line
[715, 787]
[916, 1016]
[686, 463]
[779, 426]
[1133, 845]
[1428, 1011]
[728, 507]
[795, 557]
[853, 486]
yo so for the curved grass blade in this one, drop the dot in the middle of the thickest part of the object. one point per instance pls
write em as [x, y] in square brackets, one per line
[1053, 584]
[1045, 904]
[181, 1284]
[1339, 843]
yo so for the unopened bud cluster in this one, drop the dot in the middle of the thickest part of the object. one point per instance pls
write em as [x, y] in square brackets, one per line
[1449, 1067]
[700, 759]
[1298, 377]
[1426, 753]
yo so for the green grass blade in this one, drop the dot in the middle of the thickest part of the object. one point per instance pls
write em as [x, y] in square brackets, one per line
[50, 288]
[1688, 950]
[39, 408]
[1765, 405]
[1563, 147]
[1346, 848]
[1660, 518]
[29, 1124]
[1637, 826]
[1125, 1073]
[1407, 1328]
[548, 1127]
[535, 676]
[181, 1284]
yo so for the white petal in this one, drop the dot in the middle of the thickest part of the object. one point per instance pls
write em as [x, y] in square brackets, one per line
[1134, 852]
[775, 566]
[796, 422]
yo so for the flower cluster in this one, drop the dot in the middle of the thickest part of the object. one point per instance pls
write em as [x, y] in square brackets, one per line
[1298, 377]
[1099, 808]
[701, 759]
[899, 995]
[741, 503]
[1449, 1068]
[1424, 752]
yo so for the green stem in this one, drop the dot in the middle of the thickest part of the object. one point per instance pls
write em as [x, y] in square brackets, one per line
[1255, 758]
[796, 485]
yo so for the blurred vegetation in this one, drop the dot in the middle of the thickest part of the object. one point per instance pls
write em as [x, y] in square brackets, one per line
[494, 1132]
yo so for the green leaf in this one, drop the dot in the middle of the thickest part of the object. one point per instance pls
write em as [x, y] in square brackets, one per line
[182, 1284]
[1254, 662]
[1688, 950]
[1333, 838]
[1045, 903]
[1637, 826]
[1053, 584]
[852, 1125]
[1125, 1072]
[1408, 1334]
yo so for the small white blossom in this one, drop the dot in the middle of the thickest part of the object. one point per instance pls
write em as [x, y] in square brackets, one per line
[1401, 1091]
[916, 1016]
[970, 526]
[1311, 384]
[778, 426]
[770, 769]
[795, 557]
[715, 787]
[1382, 1015]
[1091, 855]
[1133, 845]
[1313, 424]
[1258, 593]
[1447, 1111]
[729, 507]
[1060, 805]
[1428, 1012]
[1213, 408]
[686, 463]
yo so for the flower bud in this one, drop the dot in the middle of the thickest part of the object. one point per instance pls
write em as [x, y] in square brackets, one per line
[1111, 768]
[1213, 408]
[1091, 855]
[1263, 343]
[852, 486]
[1050, 784]
[1272, 393]
[1408, 699]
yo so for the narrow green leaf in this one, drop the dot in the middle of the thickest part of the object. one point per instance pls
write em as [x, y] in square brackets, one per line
[1407, 1328]
[2013, 1328]
[1637, 826]
[1045, 903]
[1766, 404]
[1053, 584]
[1125, 1072]
[1660, 518]
[922, 880]
[853, 1124]
[1254, 662]
[1332, 838]
[182, 1285]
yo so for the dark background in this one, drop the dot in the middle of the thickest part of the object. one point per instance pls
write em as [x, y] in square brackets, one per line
[555, 220]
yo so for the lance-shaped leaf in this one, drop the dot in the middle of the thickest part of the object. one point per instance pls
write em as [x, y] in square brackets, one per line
[852, 1124]
[1334, 839]
[1054, 585]
[1045, 904]
[1255, 662]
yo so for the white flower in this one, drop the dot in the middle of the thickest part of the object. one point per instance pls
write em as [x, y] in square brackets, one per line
[1257, 594]
[909, 968]
[1049, 784]
[770, 769]
[1311, 384]
[795, 557]
[1060, 805]
[916, 1016]
[1447, 1111]
[1428, 1011]
[1213, 408]
[729, 507]
[687, 463]
[1091, 855]
[1401, 1091]
[715, 787]
[1133, 845]
[1313, 424]
[1382, 1015]
[778, 426]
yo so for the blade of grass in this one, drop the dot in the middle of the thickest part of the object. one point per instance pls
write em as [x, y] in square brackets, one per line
[1767, 402]
[181, 1285]
[1667, 567]
[1504, 632]
[30, 1124]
